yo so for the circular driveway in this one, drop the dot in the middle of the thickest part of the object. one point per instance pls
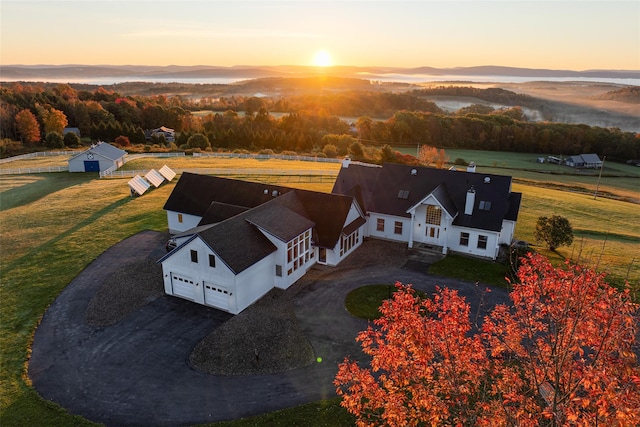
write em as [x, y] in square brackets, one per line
[136, 372]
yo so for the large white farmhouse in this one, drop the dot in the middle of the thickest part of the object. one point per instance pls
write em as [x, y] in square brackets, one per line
[466, 212]
[236, 240]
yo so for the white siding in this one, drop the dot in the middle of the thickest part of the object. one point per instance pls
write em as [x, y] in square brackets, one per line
[389, 227]
[506, 235]
[453, 242]
[254, 282]
[354, 213]
[188, 222]
[180, 263]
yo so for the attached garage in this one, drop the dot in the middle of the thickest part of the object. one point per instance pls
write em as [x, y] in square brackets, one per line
[216, 296]
[183, 286]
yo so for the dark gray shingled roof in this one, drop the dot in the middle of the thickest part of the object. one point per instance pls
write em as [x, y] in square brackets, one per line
[193, 193]
[394, 189]
[235, 236]
[218, 212]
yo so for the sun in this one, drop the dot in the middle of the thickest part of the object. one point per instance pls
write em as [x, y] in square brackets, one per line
[322, 59]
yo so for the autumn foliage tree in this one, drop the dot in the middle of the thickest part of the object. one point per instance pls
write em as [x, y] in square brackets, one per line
[560, 354]
[28, 126]
[431, 156]
[54, 121]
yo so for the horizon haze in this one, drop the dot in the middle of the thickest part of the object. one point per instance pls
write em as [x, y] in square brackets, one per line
[552, 35]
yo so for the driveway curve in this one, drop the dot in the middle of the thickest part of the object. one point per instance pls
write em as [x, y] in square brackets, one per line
[136, 371]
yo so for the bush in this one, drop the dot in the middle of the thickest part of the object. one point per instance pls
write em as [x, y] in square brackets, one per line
[123, 141]
[330, 150]
[198, 140]
[54, 140]
[266, 151]
[71, 139]
[461, 162]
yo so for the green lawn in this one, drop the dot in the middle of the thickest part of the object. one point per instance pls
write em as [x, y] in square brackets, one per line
[53, 225]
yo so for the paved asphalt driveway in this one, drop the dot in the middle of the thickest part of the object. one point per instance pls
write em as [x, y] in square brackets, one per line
[136, 372]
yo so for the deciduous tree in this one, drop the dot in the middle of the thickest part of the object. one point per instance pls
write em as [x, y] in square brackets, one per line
[431, 156]
[28, 126]
[54, 121]
[555, 231]
[560, 354]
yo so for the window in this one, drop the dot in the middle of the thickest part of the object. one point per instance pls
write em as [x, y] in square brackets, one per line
[212, 260]
[397, 227]
[380, 224]
[298, 251]
[180, 218]
[194, 256]
[482, 242]
[434, 213]
[484, 205]
[279, 270]
[464, 239]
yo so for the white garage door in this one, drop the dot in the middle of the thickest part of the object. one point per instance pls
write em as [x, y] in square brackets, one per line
[183, 286]
[216, 296]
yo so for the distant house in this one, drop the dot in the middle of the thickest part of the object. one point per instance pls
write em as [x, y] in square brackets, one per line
[587, 161]
[237, 240]
[464, 212]
[99, 157]
[168, 134]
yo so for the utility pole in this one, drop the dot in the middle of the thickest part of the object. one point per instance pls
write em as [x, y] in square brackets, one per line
[595, 194]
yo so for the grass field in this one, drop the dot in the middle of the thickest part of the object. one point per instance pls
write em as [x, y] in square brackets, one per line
[53, 225]
[618, 179]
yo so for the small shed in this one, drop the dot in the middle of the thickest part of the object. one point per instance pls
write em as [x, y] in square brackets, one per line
[99, 157]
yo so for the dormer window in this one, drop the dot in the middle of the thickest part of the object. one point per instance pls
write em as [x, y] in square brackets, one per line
[484, 205]
[403, 194]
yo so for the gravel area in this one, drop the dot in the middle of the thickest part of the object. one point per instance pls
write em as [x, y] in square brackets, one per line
[125, 291]
[264, 339]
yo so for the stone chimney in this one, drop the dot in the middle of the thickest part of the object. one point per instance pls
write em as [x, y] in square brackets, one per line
[471, 199]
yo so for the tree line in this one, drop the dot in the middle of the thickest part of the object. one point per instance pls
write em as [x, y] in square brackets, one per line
[35, 113]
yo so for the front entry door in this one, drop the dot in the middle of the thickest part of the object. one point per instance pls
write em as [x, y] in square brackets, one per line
[432, 234]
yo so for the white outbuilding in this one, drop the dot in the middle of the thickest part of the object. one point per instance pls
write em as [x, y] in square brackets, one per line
[99, 157]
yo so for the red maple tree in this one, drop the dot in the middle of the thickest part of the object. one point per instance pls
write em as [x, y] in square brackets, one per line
[560, 354]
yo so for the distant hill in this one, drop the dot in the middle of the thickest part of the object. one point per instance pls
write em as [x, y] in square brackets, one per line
[71, 71]
[630, 94]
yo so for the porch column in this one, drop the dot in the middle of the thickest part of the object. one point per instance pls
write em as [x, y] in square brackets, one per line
[411, 229]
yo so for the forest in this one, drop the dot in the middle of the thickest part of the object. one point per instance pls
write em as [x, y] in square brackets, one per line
[33, 116]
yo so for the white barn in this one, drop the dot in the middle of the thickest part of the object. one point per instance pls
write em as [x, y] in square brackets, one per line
[99, 157]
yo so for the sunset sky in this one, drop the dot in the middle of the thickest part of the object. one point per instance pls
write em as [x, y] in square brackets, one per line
[577, 35]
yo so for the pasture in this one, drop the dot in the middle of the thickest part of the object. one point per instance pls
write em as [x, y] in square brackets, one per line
[53, 225]
[619, 180]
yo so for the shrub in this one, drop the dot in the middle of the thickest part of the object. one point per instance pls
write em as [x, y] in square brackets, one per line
[461, 162]
[198, 140]
[54, 140]
[330, 150]
[71, 139]
[123, 141]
